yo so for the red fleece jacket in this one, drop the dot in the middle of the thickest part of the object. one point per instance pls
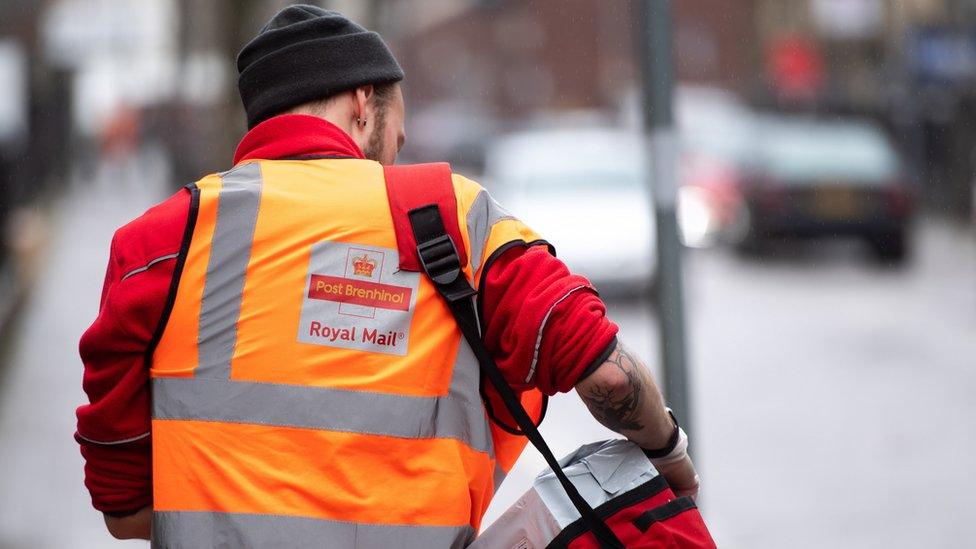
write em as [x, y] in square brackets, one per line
[526, 292]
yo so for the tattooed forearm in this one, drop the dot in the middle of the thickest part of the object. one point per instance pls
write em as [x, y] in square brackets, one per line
[622, 395]
[618, 406]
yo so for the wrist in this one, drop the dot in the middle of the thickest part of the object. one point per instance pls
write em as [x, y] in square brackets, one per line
[677, 453]
[672, 431]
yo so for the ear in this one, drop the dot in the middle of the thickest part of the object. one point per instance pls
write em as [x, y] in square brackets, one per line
[363, 94]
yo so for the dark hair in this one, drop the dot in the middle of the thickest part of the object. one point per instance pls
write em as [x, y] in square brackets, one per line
[383, 94]
[382, 97]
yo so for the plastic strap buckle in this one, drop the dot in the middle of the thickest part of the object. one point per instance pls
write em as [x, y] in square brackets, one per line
[440, 259]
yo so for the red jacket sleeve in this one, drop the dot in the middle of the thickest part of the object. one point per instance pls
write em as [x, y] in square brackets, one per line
[546, 327]
[113, 428]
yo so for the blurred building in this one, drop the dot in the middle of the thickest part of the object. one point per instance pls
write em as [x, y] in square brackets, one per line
[33, 118]
[162, 71]
[910, 64]
[477, 67]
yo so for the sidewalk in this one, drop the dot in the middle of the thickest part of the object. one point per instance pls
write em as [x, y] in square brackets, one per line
[44, 501]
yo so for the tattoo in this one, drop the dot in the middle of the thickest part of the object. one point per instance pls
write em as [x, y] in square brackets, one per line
[619, 409]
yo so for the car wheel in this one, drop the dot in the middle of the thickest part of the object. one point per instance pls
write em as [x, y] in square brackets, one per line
[752, 245]
[890, 248]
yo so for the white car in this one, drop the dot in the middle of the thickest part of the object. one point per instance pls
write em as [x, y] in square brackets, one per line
[585, 191]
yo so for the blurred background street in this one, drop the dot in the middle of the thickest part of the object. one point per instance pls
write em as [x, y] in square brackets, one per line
[826, 161]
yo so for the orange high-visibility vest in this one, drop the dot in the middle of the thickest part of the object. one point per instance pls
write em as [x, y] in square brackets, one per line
[308, 392]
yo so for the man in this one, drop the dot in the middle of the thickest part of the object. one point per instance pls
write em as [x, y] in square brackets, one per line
[304, 389]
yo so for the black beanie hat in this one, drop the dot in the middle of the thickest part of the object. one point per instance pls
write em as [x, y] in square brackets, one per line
[306, 53]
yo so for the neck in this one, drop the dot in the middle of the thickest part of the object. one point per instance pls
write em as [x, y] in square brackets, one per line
[291, 135]
[345, 125]
[337, 114]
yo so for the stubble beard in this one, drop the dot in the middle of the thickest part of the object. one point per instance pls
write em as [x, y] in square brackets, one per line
[374, 147]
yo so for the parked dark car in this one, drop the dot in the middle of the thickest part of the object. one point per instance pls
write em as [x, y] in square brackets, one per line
[816, 179]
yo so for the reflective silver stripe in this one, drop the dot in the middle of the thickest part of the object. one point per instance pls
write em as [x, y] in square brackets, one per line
[458, 415]
[238, 530]
[464, 392]
[114, 442]
[482, 216]
[322, 408]
[237, 214]
[145, 267]
[466, 378]
[212, 396]
[499, 476]
[542, 327]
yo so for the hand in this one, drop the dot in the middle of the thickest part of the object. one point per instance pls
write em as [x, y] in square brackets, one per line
[135, 526]
[681, 475]
[678, 469]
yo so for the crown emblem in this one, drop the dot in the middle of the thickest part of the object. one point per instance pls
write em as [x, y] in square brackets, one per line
[363, 266]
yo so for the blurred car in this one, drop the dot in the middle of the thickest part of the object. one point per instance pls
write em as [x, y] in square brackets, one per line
[715, 130]
[452, 132]
[816, 179]
[583, 190]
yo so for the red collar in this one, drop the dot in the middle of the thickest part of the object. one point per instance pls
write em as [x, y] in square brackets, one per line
[295, 136]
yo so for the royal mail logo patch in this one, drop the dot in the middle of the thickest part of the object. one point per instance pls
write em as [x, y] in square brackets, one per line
[366, 294]
[355, 298]
[363, 266]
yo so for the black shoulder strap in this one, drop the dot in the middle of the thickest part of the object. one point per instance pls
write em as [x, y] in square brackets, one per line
[440, 260]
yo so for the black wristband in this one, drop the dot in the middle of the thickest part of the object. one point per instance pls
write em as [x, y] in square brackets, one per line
[672, 442]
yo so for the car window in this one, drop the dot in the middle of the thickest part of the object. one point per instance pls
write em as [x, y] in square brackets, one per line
[851, 154]
[576, 181]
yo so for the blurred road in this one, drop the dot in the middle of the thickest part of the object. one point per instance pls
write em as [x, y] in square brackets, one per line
[42, 495]
[834, 397]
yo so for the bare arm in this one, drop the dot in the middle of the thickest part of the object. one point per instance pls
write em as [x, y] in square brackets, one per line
[622, 395]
